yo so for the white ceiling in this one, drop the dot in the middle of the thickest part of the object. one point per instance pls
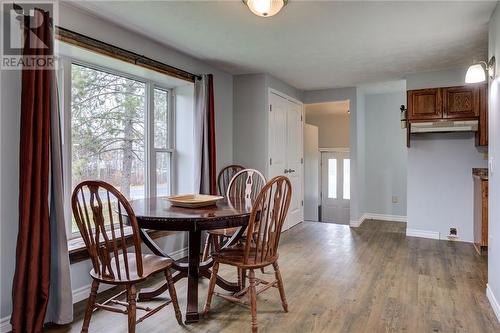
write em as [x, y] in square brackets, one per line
[314, 44]
[331, 108]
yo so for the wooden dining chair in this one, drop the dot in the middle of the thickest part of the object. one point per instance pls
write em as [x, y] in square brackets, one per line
[245, 184]
[266, 221]
[225, 176]
[105, 219]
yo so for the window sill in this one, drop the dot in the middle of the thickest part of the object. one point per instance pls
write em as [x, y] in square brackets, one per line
[78, 251]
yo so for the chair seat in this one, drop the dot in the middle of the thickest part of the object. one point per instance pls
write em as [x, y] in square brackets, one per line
[151, 264]
[228, 232]
[234, 256]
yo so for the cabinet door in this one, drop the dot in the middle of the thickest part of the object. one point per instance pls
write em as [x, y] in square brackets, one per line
[461, 102]
[424, 104]
[482, 133]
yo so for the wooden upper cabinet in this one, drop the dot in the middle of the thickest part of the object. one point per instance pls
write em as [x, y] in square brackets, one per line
[424, 104]
[482, 133]
[450, 104]
[460, 102]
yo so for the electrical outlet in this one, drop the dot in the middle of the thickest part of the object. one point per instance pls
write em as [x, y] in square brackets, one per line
[394, 199]
[453, 234]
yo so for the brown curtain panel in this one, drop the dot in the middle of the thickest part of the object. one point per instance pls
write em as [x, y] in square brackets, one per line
[31, 280]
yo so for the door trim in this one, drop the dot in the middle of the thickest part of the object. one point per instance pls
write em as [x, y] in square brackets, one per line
[285, 96]
[335, 150]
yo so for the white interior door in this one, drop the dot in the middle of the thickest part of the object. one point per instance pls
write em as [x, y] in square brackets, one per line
[335, 187]
[311, 172]
[277, 135]
[286, 150]
[294, 152]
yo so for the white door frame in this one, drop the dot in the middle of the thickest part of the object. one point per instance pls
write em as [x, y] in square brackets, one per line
[296, 101]
[335, 150]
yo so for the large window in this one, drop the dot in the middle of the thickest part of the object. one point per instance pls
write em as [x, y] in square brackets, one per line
[120, 132]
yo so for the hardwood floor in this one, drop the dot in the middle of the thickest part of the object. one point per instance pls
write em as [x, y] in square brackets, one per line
[337, 279]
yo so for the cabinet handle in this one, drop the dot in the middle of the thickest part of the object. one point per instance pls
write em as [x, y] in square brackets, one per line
[285, 171]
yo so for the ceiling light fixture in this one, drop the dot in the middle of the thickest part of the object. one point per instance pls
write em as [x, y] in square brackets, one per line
[265, 8]
[477, 72]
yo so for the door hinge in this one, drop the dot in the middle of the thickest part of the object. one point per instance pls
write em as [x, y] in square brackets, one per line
[302, 203]
[270, 161]
[270, 107]
[302, 160]
[301, 119]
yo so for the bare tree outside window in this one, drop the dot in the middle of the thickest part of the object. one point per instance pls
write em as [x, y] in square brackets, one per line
[108, 126]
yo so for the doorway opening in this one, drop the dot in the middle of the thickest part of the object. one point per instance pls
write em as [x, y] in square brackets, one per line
[327, 164]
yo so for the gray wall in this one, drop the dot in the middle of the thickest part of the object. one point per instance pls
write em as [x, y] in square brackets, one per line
[440, 186]
[377, 146]
[250, 122]
[333, 129]
[386, 155]
[10, 96]
[494, 153]
[77, 20]
[356, 138]
[440, 191]
[277, 84]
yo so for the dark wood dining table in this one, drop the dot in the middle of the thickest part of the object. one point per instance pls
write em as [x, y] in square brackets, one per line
[158, 214]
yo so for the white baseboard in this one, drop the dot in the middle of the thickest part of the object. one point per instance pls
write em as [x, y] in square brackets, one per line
[5, 326]
[83, 293]
[355, 223]
[422, 233]
[380, 217]
[493, 301]
[384, 217]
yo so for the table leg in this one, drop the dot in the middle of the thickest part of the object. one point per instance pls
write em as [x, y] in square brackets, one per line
[192, 314]
[192, 270]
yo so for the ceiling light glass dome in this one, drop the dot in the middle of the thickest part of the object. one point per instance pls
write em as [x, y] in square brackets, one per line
[265, 8]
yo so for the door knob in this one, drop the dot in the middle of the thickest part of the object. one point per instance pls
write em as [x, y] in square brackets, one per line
[285, 171]
[291, 170]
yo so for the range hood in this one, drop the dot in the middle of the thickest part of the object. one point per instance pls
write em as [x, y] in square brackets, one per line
[445, 126]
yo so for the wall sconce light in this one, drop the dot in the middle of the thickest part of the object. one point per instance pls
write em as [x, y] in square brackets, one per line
[477, 72]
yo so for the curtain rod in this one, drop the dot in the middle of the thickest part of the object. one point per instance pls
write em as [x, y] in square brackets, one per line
[93, 44]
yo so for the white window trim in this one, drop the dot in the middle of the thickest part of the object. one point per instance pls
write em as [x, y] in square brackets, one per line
[64, 76]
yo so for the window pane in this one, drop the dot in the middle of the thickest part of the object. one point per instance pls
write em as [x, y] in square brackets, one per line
[347, 179]
[160, 118]
[107, 129]
[332, 178]
[162, 173]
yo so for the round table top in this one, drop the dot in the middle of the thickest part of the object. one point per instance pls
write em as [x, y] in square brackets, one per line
[157, 213]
